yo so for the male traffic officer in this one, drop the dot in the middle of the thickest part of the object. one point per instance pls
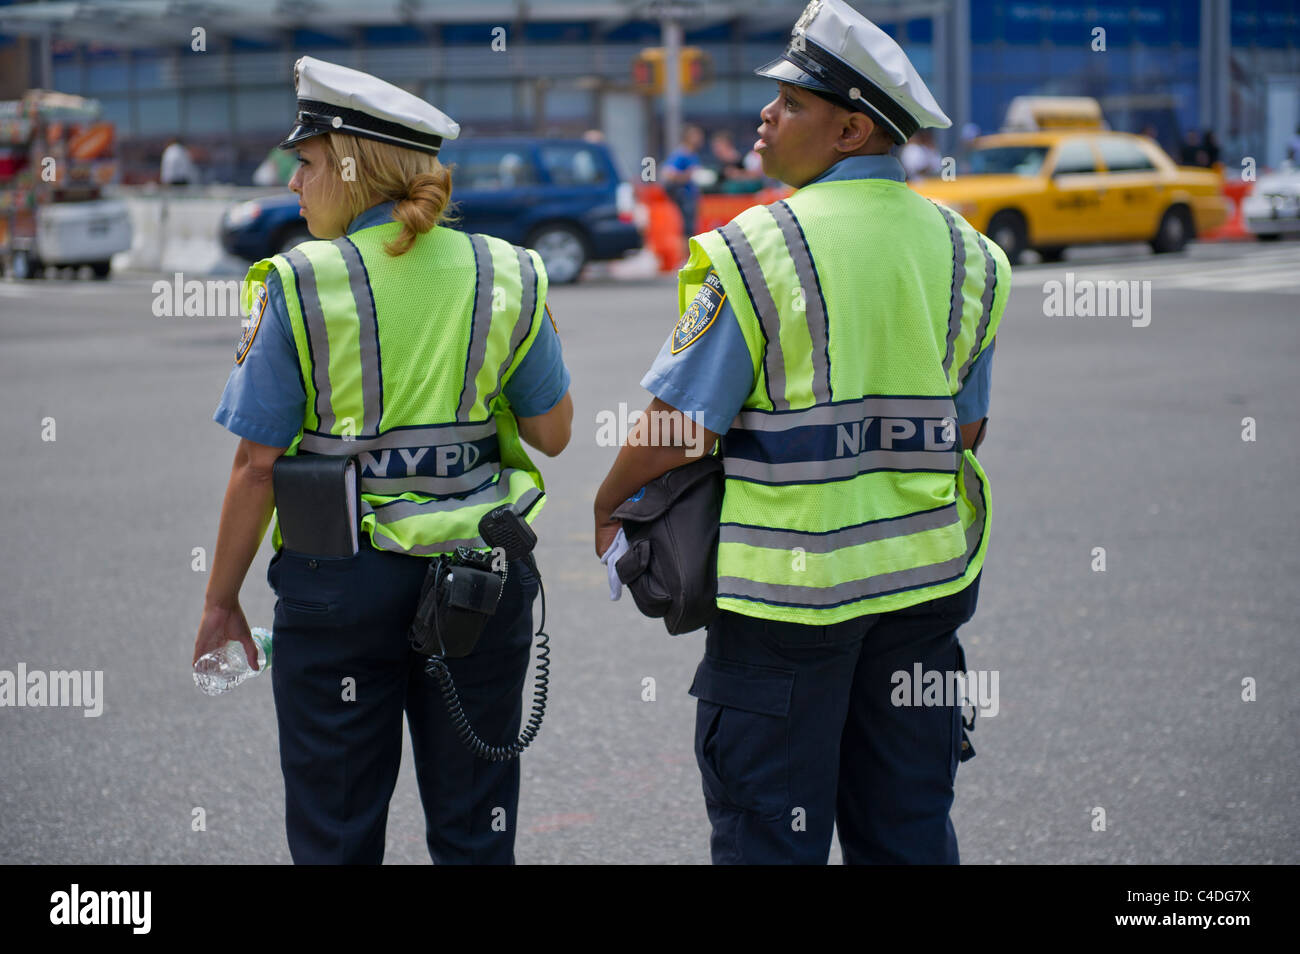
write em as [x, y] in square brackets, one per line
[839, 343]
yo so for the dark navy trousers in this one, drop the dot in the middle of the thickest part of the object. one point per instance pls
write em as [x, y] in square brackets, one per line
[796, 732]
[344, 673]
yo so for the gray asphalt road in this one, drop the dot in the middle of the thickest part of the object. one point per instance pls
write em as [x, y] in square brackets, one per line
[1119, 690]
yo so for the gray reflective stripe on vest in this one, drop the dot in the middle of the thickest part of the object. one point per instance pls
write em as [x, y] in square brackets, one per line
[401, 509]
[879, 585]
[401, 437]
[482, 323]
[761, 298]
[318, 340]
[812, 471]
[523, 322]
[498, 492]
[788, 540]
[936, 409]
[441, 486]
[372, 392]
[814, 309]
[958, 280]
[986, 306]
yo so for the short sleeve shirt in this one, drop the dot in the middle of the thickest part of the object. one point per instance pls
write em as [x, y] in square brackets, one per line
[265, 399]
[713, 374]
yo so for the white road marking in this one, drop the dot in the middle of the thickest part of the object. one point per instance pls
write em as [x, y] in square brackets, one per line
[1271, 270]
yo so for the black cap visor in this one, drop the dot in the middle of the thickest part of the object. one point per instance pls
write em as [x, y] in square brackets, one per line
[784, 71]
[300, 132]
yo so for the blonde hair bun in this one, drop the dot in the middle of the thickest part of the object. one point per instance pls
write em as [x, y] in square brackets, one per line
[418, 184]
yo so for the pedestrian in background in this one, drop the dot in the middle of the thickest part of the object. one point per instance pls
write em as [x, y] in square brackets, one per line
[1210, 144]
[679, 175]
[919, 156]
[729, 165]
[1193, 152]
[177, 166]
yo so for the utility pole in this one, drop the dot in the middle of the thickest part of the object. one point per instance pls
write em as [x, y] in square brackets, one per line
[672, 34]
[670, 14]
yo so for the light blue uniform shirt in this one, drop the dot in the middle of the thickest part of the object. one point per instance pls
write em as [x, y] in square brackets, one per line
[713, 375]
[265, 400]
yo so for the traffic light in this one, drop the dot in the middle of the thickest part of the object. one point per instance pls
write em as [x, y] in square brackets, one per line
[696, 70]
[648, 71]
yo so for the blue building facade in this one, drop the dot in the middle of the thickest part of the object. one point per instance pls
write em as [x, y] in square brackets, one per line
[1168, 66]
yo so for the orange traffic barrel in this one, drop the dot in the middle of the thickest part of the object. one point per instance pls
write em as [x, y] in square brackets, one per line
[1235, 191]
[663, 232]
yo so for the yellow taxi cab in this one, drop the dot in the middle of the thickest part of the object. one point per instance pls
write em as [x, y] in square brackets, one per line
[1073, 182]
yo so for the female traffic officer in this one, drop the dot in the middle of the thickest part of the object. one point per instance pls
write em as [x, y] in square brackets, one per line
[427, 354]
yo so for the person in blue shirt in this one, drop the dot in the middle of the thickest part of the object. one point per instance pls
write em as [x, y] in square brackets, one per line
[679, 175]
[345, 673]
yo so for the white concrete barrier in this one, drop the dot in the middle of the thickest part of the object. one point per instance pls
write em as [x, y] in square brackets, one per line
[178, 229]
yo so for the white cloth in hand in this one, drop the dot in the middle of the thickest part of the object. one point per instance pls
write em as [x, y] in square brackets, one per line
[609, 558]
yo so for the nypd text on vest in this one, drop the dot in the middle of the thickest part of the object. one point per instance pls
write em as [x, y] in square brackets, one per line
[448, 460]
[870, 433]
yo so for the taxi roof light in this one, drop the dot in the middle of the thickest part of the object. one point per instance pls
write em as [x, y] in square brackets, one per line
[1034, 113]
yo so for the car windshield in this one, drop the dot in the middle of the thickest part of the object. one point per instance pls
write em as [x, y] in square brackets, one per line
[1003, 160]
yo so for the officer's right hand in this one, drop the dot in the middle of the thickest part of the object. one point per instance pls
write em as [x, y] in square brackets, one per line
[221, 624]
[606, 532]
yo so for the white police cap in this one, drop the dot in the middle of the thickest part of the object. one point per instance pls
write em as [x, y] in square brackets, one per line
[333, 98]
[836, 50]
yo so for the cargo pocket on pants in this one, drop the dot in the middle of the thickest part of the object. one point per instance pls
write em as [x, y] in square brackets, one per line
[742, 735]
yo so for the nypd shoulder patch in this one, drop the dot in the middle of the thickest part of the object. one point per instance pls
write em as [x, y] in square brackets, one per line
[254, 322]
[699, 314]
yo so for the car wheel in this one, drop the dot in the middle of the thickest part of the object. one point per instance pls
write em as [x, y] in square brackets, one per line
[1007, 229]
[1051, 253]
[1269, 236]
[292, 237]
[1175, 229]
[563, 250]
[101, 269]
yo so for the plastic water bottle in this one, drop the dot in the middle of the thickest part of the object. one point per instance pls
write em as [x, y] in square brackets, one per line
[223, 669]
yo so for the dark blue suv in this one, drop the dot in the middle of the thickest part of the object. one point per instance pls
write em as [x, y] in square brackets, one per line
[562, 197]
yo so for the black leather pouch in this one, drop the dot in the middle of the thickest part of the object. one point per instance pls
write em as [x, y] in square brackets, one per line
[672, 535]
[316, 504]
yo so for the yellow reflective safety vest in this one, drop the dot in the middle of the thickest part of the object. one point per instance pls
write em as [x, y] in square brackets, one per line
[403, 360]
[847, 489]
